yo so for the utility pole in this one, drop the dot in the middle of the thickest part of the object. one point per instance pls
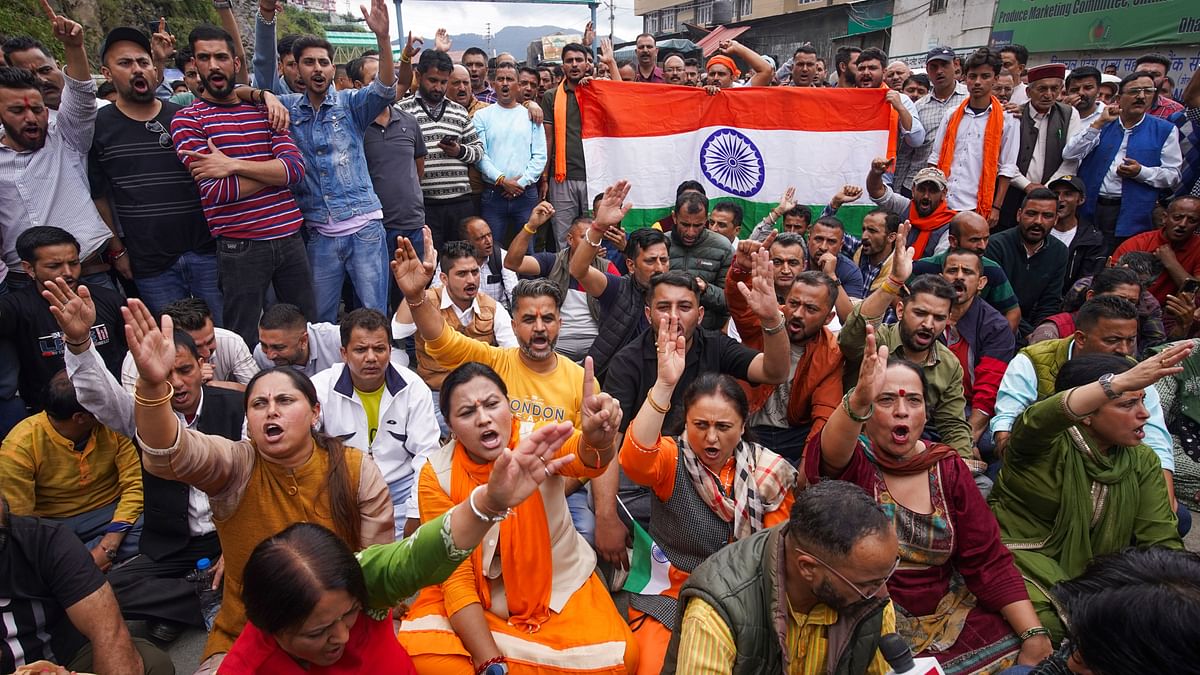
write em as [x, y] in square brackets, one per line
[488, 37]
[612, 17]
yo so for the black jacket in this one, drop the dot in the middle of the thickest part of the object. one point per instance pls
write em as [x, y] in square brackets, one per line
[1086, 255]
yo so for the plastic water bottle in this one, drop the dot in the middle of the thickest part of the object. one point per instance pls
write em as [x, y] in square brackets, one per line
[210, 600]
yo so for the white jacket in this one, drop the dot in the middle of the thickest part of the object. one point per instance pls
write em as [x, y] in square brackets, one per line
[407, 425]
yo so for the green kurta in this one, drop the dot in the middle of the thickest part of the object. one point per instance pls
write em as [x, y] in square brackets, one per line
[1060, 502]
[394, 572]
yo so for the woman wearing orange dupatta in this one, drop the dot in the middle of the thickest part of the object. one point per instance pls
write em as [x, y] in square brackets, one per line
[528, 599]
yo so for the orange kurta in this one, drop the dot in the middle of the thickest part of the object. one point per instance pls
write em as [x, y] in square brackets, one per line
[584, 634]
[656, 470]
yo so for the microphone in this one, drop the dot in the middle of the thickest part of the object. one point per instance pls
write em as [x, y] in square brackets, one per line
[896, 652]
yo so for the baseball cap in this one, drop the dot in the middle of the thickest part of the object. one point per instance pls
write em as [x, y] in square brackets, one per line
[1074, 181]
[940, 54]
[931, 174]
[124, 34]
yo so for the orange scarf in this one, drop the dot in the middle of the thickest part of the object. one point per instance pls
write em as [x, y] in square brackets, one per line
[992, 136]
[560, 132]
[927, 225]
[524, 547]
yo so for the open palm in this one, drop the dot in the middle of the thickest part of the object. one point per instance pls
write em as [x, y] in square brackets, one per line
[152, 348]
[411, 272]
[518, 472]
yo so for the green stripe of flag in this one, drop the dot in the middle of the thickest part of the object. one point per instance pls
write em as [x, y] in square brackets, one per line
[648, 567]
[752, 213]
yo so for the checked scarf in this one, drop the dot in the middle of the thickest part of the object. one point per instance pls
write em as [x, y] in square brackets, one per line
[761, 481]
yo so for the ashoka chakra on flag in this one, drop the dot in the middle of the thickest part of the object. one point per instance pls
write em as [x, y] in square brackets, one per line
[731, 161]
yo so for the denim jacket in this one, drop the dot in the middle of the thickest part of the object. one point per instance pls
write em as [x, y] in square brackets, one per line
[336, 183]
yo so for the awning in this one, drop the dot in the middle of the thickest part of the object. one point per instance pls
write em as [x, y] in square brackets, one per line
[710, 42]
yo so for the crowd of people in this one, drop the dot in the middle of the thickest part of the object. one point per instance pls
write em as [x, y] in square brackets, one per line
[355, 342]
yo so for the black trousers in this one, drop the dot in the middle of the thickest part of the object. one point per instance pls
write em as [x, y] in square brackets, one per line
[155, 590]
[1107, 211]
[445, 216]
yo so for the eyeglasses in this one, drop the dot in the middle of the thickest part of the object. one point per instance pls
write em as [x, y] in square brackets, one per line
[164, 138]
[851, 584]
[1134, 91]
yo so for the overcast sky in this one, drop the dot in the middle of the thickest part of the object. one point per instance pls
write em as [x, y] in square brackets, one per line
[423, 17]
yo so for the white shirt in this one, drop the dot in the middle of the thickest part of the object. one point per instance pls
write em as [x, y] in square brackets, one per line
[1068, 167]
[967, 164]
[501, 324]
[1020, 94]
[1088, 119]
[1164, 177]
[100, 394]
[230, 361]
[324, 349]
[1065, 237]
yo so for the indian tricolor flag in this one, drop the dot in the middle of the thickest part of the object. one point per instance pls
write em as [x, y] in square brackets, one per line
[745, 144]
[649, 569]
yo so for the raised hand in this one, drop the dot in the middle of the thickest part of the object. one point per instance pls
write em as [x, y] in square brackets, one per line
[412, 47]
[152, 348]
[848, 194]
[902, 256]
[377, 17]
[540, 214]
[518, 472]
[413, 274]
[66, 31]
[788, 201]
[601, 412]
[1107, 114]
[606, 50]
[74, 311]
[589, 35]
[441, 40]
[612, 207]
[162, 43]
[881, 165]
[871, 374]
[743, 256]
[672, 351]
[1154, 368]
[761, 295]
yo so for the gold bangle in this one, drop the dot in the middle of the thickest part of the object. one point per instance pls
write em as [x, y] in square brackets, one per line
[154, 402]
[526, 228]
[654, 404]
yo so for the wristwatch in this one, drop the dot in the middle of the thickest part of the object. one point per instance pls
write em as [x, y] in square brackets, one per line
[1106, 384]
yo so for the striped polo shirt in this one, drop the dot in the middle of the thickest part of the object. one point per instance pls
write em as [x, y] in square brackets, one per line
[241, 131]
[445, 177]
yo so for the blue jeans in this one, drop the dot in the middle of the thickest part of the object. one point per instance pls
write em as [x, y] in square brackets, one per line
[361, 255]
[90, 527]
[192, 275]
[417, 237]
[506, 216]
[581, 514]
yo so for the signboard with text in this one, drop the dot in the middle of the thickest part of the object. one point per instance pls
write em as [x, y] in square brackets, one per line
[1049, 25]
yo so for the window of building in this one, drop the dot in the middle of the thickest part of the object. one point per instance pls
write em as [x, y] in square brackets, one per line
[704, 13]
[651, 22]
[745, 8]
[937, 6]
[666, 22]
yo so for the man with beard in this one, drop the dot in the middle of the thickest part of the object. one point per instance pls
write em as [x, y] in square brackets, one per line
[926, 211]
[49, 253]
[496, 280]
[923, 315]
[701, 253]
[287, 339]
[1083, 89]
[674, 297]
[895, 75]
[979, 337]
[43, 162]
[344, 216]
[543, 386]
[825, 239]
[829, 565]
[475, 60]
[566, 175]
[244, 167]
[25, 52]
[945, 94]
[1126, 157]
[674, 70]
[1034, 262]
[514, 156]
[1175, 244]
[1086, 254]
[969, 230]
[453, 146]
[647, 69]
[874, 255]
[1046, 125]
[1119, 281]
[803, 69]
[821, 80]
[978, 177]
[135, 173]
[784, 416]
[844, 63]
[691, 70]
[869, 69]
[579, 312]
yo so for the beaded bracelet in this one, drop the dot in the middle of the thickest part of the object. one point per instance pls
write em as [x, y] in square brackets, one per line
[412, 305]
[499, 660]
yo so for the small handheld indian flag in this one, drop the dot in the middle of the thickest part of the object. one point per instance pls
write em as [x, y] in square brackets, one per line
[648, 566]
[744, 145]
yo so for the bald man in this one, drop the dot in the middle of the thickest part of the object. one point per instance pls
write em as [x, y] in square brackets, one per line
[895, 75]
